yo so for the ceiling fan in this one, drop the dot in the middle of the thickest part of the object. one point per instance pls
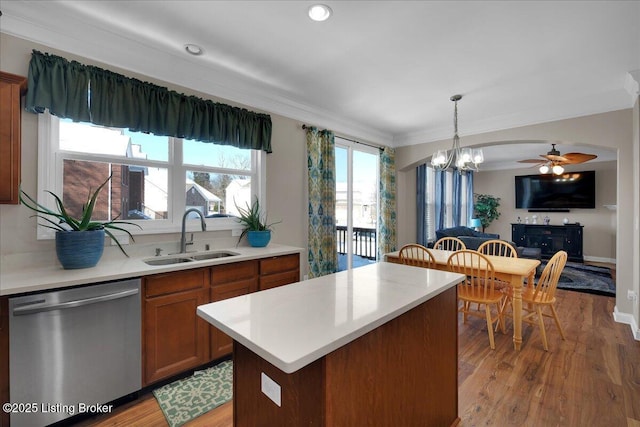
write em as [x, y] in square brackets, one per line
[554, 161]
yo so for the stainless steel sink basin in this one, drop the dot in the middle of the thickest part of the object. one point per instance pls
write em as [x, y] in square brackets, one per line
[166, 261]
[189, 258]
[212, 255]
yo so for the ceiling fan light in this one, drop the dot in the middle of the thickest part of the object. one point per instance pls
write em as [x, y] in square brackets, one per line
[557, 169]
[544, 169]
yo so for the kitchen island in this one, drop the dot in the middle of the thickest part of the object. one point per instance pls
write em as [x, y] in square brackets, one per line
[376, 345]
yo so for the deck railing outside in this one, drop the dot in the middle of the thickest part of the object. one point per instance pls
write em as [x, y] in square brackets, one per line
[364, 241]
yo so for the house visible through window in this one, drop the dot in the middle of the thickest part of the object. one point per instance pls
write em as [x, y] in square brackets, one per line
[154, 178]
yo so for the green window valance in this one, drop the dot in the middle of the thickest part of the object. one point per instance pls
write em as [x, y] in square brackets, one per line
[69, 89]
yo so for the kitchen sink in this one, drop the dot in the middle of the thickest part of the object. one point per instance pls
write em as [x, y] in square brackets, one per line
[189, 258]
[166, 261]
[212, 255]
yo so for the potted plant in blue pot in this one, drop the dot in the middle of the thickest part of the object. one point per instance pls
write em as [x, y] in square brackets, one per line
[257, 229]
[79, 241]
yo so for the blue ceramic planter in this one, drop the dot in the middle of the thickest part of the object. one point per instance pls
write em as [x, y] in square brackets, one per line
[259, 239]
[79, 249]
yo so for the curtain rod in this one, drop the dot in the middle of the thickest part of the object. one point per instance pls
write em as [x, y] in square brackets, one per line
[351, 140]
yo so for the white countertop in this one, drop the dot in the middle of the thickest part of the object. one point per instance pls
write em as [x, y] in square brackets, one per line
[294, 325]
[21, 276]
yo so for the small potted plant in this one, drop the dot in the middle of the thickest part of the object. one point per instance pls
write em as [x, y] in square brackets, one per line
[257, 229]
[79, 241]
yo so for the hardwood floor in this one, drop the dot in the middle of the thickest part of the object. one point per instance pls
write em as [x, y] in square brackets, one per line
[592, 378]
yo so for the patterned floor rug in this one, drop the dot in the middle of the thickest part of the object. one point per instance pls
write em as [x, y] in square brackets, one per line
[188, 398]
[586, 278]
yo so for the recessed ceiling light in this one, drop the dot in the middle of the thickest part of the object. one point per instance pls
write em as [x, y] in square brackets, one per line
[193, 49]
[320, 12]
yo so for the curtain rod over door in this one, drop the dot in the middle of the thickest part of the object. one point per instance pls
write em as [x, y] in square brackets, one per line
[350, 140]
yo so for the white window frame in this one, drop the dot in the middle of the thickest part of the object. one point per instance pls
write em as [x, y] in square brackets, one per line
[50, 178]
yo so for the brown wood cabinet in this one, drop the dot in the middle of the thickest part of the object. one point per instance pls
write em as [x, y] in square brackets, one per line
[175, 339]
[12, 87]
[278, 271]
[4, 358]
[228, 281]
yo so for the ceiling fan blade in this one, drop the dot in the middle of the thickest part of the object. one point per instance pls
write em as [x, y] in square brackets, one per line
[573, 158]
[531, 161]
[556, 159]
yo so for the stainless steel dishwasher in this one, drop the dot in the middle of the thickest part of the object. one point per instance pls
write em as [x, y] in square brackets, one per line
[72, 350]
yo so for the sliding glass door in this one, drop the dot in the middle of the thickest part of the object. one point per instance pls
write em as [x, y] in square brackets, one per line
[357, 185]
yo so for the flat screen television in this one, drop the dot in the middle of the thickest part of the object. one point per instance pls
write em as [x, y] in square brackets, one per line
[571, 190]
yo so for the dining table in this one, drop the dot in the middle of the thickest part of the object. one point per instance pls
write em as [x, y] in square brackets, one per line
[513, 271]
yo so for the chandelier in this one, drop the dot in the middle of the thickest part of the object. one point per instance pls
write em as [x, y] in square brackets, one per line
[462, 159]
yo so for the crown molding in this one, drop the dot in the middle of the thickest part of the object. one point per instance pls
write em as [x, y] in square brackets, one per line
[632, 84]
[150, 59]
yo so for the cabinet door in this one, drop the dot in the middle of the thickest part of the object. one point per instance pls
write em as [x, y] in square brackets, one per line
[11, 89]
[278, 271]
[175, 339]
[221, 343]
[228, 281]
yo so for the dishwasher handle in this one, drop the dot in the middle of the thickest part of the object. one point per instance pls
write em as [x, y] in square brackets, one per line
[30, 309]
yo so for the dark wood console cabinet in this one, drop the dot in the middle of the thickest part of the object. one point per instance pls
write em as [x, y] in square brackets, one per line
[550, 239]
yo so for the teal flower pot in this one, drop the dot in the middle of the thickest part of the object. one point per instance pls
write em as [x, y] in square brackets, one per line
[259, 239]
[79, 249]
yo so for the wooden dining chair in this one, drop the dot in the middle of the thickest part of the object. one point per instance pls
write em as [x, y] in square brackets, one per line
[449, 244]
[543, 295]
[498, 247]
[477, 288]
[417, 255]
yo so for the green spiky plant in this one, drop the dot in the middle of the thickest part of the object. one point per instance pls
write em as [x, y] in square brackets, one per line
[63, 221]
[253, 218]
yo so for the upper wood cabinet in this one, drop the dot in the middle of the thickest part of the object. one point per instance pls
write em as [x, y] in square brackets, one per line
[12, 88]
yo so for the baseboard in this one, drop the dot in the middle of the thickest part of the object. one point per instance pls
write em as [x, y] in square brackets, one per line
[628, 319]
[600, 259]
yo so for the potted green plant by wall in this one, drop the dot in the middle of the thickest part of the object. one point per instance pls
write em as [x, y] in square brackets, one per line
[486, 209]
[79, 241]
[257, 229]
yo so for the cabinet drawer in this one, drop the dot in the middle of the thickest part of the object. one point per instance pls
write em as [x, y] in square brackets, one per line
[279, 264]
[279, 279]
[234, 272]
[166, 283]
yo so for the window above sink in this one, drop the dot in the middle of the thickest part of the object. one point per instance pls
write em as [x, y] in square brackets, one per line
[155, 178]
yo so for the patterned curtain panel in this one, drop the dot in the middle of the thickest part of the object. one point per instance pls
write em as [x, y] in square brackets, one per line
[323, 253]
[387, 240]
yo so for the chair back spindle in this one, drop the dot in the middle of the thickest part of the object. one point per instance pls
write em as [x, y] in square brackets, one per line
[417, 255]
[450, 244]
